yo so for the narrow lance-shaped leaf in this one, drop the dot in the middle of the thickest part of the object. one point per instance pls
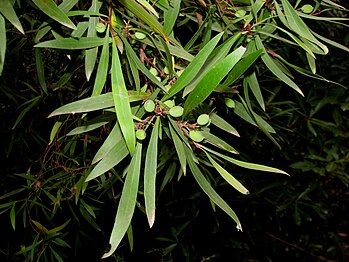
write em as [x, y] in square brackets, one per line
[142, 14]
[150, 174]
[40, 69]
[127, 201]
[66, 5]
[216, 141]
[121, 103]
[91, 54]
[102, 70]
[273, 67]
[216, 56]
[95, 103]
[298, 26]
[179, 146]
[131, 55]
[54, 131]
[148, 6]
[193, 68]
[95, 123]
[246, 164]
[222, 124]
[210, 81]
[212, 194]
[113, 138]
[59, 228]
[241, 67]
[50, 8]
[228, 177]
[170, 16]
[9, 13]
[113, 157]
[256, 90]
[72, 43]
[2, 43]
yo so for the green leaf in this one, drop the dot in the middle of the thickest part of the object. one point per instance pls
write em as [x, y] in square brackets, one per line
[254, 119]
[9, 13]
[72, 43]
[222, 124]
[170, 16]
[274, 68]
[121, 103]
[131, 55]
[13, 216]
[146, 17]
[210, 81]
[113, 138]
[39, 226]
[55, 254]
[311, 62]
[59, 228]
[216, 56]
[330, 42]
[148, 6]
[2, 43]
[256, 90]
[113, 157]
[228, 177]
[177, 50]
[207, 188]
[11, 193]
[127, 201]
[92, 124]
[96, 103]
[54, 131]
[216, 141]
[150, 167]
[246, 164]
[40, 69]
[102, 70]
[193, 68]
[50, 8]
[297, 25]
[91, 54]
[179, 146]
[241, 67]
[66, 5]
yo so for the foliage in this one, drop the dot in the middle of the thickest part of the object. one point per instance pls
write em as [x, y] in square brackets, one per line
[145, 105]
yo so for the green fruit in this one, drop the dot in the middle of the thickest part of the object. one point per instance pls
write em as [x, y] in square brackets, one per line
[169, 103]
[203, 119]
[100, 27]
[140, 35]
[229, 103]
[307, 9]
[176, 111]
[196, 135]
[141, 134]
[149, 106]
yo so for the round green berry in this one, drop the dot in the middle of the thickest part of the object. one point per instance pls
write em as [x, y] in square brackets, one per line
[203, 119]
[140, 35]
[307, 9]
[100, 27]
[141, 134]
[196, 135]
[176, 111]
[149, 106]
